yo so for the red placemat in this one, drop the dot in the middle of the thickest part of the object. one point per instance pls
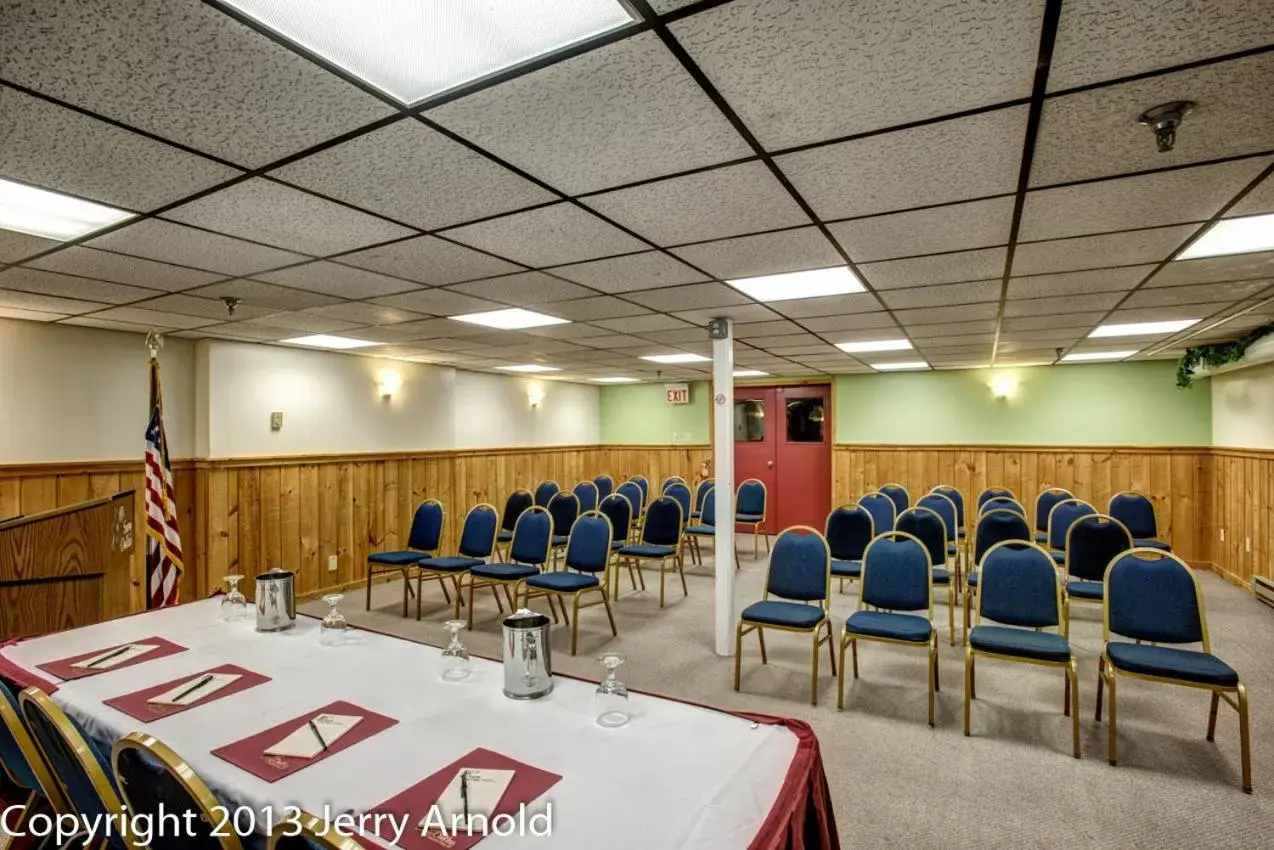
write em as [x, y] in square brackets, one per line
[63, 670]
[249, 753]
[527, 785]
[135, 704]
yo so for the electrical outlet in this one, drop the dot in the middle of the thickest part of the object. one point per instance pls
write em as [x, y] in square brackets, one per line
[1247, 545]
[1223, 535]
[332, 563]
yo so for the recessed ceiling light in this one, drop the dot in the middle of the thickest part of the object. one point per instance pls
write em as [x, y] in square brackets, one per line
[790, 286]
[1234, 236]
[1081, 356]
[1143, 328]
[328, 341]
[52, 215]
[515, 318]
[677, 358]
[875, 345]
[749, 373]
[615, 380]
[411, 50]
[529, 367]
[899, 366]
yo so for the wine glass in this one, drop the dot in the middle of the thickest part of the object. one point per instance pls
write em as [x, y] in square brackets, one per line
[334, 627]
[611, 699]
[455, 658]
[233, 605]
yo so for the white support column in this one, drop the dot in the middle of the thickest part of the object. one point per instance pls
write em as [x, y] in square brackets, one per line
[723, 473]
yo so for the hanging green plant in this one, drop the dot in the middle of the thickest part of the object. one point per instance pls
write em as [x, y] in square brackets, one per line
[1216, 354]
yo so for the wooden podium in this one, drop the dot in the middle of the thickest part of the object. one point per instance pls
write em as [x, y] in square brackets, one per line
[66, 567]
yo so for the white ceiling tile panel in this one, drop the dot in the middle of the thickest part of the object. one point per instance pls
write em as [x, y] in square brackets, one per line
[753, 330]
[1166, 296]
[15, 247]
[770, 343]
[640, 324]
[207, 308]
[111, 325]
[767, 253]
[690, 297]
[525, 289]
[649, 270]
[1052, 306]
[1259, 200]
[922, 332]
[948, 293]
[739, 313]
[1159, 314]
[830, 305]
[28, 315]
[938, 315]
[548, 236]
[1102, 251]
[830, 325]
[982, 264]
[800, 351]
[153, 318]
[309, 323]
[1058, 320]
[336, 279]
[46, 303]
[155, 239]
[254, 293]
[253, 330]
[429, 260]
[67, 286]
[678, 335]
[121, 268]
[954, 227]
[589, 309]
[1212, 269]
[438, 302]
[1078, 283]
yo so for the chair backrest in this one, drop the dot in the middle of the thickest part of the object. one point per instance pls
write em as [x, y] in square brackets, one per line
[1154, 596]
[1062, 516]
[565, 510]
[643, 484]
[630, 491]
[478, 533]
[545, 491]
[1092, 543]
[154, 780]
[21, 759]
[679, 491]
[1044, 503]
[518, 501]
[882, 509]
[532, 537]
[898, 494]
[996, 527]
[701, 492]
[620, 513]
[927, 527]
[309, 832]
[588, 550]
[708, 507]
[896, 574]
[956, 497]
[662, 526]
[669, 481]
[800, 566]
[751, 498]
[849, 529]
[426, 527]
[1018, 585]
[993, 492]
[587, 494]
[605, 485]
[78, 769]
[1002, 503]
[942, 505]
[1136, 512]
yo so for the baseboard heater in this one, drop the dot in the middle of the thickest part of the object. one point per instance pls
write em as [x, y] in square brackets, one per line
[1264, 589]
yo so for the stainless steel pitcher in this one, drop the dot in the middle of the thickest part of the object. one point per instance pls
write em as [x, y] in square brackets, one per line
[276, 601]
[528, 670]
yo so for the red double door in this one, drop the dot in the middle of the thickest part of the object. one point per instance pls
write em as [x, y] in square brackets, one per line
[783, 437]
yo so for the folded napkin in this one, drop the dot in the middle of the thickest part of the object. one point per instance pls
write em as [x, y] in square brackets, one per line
[195, 689]
[484, 788]
[115, 656]
[304, 741]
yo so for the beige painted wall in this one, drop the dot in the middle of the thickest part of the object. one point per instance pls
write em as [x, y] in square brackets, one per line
[1243, 408]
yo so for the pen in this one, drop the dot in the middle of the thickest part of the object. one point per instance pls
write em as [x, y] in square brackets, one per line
[464, 793]
[120, 651]
[190, 690]
[315, 730]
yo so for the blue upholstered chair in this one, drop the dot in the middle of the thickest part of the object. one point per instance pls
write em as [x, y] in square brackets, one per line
[154, 781]
[545, 491]
[643, 484]
[800, 577]
[565, 509]
[1153, 597]
[1138, 513]
[587, 562]
[422, 541]
[848, 530]
[993, 493]
[24, 766]
[518, 501]
[528, 554]
[1044, 503]
[942, 505]
[1002, 503]
[993, 527]
[587, 494]
[477, 545]
[898, 494]
[897, 580]
[1091, 544]
[882, 509]
[926, 525]
[669, 481]
[679, 491]
[1060, 520]
[660, 540]
[1019, 588]
[605, 485]
[309, 832]
[957, 498]
[705, 527]
[750, 504]
[701, 492]
[619, 511]
[631, 491]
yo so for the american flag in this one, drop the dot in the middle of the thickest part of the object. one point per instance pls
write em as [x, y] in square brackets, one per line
[163, 541]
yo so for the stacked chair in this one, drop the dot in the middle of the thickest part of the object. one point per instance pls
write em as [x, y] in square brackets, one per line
[929, 528]
[1044, 504]
[1138, 513]
[849, 529]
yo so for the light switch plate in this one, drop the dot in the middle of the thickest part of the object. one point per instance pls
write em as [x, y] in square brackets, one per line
[276, 420]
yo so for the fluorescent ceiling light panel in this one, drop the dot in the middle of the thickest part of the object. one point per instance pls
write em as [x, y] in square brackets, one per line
[515, 318]
[1234, 236]
[529, 367]
[874, 345]
[1080, 356]
[677, 358]
[615, 380]
[749, 373]
[1143, 328]
[790, 286]
[411, 49]
[899, 366]
[328, 341]
[52, 215]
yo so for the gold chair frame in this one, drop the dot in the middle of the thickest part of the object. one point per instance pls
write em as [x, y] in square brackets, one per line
[692, 540]
[974, 565]
[953, 534]
[827, 521]
[676, 557]
[527, 593]
[905, 492]
[48, 790]
[952, 591]
[1066, 564]
[634, 574]
[556, 550]
[505, 554]
[508, 585]
[375, 568]
[424, 574]
[758, 526]
[1035, 513]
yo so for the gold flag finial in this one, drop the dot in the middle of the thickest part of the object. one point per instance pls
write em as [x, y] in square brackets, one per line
[154, 342]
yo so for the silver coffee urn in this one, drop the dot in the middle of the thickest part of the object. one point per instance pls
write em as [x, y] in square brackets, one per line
[528, 669]
[276, 601]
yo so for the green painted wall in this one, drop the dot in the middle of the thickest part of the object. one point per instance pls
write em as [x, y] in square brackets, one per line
[640, 413]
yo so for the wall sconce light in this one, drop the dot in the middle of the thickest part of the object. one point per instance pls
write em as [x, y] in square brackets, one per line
[387, 382]
[1004, 386]
[534, 395]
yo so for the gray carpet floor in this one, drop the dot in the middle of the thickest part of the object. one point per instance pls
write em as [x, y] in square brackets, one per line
[896, 782]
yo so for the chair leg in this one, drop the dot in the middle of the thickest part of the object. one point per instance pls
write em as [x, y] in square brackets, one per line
[1066, 695]
[1245, 743]
[937, 679]
[964, 632]
[512, 599]
[1072, 672]
[609, 615]
[756, 550]
[369, 589]
[1112, 738]
[574, 623]
[760, 636]
[830, 654]
[933, 670]
[951, 606]
[662, 565]
[406, 586]
[853, 654]
[766, 535]
[455, 606]
[738, 651]
[471, 583]
[968, 686]
[681, 571]
[840, 678]
[1216, 701]
[419, 582]
[441, 584]
[1101, 675]
[814, 669]
[973, 676]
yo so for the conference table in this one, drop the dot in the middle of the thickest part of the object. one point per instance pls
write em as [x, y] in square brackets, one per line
[677, 775]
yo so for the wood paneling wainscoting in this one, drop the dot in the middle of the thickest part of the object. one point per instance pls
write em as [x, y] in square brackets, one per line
[1243, 495]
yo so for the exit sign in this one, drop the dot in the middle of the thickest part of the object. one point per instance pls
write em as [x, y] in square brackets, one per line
[678, 393]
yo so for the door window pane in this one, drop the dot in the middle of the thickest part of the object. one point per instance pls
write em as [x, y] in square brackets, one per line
[749, 421]
[805, 420]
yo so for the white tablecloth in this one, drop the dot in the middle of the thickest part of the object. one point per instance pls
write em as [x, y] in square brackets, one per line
[676, 776]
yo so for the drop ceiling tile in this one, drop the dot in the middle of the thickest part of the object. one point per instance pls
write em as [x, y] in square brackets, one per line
[752, 330]
[1089, 134]
[438, 302]
[309, 323]
[640, 324]
[429, 260]
[589, 309]
[156, 239]
[1259, 200]
[183, 70]
[982, 264]
[713, 204]
[650, 270]
[1213, 269]
[152, 318]
[1166, 296]
[1126, 315]
[853, 322]
[739, 313]
[439, 329]
[1109, 249]
[938, 315]
[525, 289]
[1037, 336]
[947, 293]
[29, 315]
[923, 332]
[1167, 197]
[629, 104]
[548, 236]
[770, 343]
[912, 168]
[253, 330]
[575, 330]
[397, 334]
[15, 247]
[1078, 283]
[766, 253]
[954, 227]
[802, 351]
[1106, 39]
[253, 293]
[690, 297]
[956, 352]
[60, 149]
[831, 305]
[868, 335]
[677, 335]
[110, 325]
[1061, 304]
[121, 268]
[46, 303]
[207, 308]
[336, 279]
[67, 286]
[815, 70]
[1059, 320]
